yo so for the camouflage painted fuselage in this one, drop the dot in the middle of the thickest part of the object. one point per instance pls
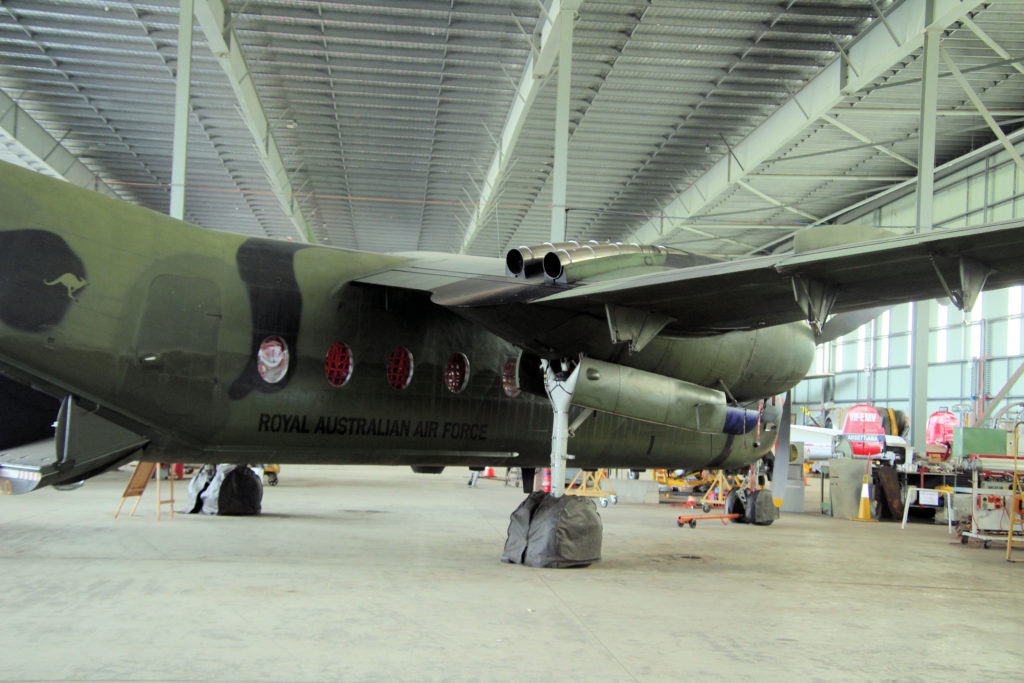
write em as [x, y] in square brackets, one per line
[159, 324]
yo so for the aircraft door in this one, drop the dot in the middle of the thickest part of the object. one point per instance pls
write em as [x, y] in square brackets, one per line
[176, 343]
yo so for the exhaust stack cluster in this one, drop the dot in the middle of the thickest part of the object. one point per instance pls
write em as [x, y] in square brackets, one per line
[568, 262]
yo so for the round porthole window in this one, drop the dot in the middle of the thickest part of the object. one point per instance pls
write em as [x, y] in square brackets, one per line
[338, 364]
[456, 373]
[272, 360]
[509, 381]
[400, 368]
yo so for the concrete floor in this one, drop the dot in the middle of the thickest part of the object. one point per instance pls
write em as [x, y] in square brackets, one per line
[357, 574]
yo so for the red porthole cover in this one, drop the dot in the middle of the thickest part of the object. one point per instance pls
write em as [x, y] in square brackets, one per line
[509, 381]
[272, 360]
[400, 368]
[456, 373]
[338, 364]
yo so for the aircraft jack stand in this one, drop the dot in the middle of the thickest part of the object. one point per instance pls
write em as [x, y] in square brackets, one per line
[717, 491]
[513, 476]
[588, 484]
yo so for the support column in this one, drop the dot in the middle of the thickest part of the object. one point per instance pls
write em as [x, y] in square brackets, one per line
[925, 200]
[559, 175]
[182, 94]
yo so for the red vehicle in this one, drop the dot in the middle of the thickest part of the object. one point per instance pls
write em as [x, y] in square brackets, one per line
[940, 427]
[940, 433]
[863, 429]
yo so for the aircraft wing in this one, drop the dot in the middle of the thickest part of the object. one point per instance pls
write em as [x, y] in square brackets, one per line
[756, 292]
[771, 290]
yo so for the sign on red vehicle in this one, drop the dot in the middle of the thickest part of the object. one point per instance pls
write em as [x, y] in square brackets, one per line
[863, 429]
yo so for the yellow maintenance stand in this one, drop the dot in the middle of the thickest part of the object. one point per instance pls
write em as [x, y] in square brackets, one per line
[591, 484]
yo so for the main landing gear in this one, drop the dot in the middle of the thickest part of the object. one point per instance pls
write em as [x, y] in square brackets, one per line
[552, 529]
[559, 383]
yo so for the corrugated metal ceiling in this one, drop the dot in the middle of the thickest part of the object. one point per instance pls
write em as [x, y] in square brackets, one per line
[386, 113]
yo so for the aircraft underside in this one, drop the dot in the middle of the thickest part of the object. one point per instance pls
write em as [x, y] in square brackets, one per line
[90, 440]
[611, 442]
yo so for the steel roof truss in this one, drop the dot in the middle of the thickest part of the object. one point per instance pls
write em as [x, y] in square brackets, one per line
[980, 106]
[214, 19]
[18, 126]
[530, 83]
[868, 58]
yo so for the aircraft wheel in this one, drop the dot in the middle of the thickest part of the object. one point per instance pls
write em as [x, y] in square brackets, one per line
[693, 523]
[271, 478]
[604, 502]
[964, 539]
[705, 507]
[987, 543]
[614, 499]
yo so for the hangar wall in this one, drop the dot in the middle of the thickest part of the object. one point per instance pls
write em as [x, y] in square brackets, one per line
[970, 355]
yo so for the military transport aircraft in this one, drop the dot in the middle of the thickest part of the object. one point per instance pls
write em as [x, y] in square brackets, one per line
[149, 338]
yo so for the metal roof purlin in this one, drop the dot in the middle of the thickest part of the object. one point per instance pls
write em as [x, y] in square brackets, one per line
[21, 128]
[865, 139]
[993, 45]
[537, 67]
[773, 201]
[214, 19]
[875, 51]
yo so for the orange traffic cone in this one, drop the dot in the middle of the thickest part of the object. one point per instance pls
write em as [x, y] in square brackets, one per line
[489, 472]
[864, 511]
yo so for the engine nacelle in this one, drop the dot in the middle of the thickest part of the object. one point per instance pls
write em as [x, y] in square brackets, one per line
[568, 262]
[568, 265]
[640, 395]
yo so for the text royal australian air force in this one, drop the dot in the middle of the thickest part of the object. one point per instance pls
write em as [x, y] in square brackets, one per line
[370, 426]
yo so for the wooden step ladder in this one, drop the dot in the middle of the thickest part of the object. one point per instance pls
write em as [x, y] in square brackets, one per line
[137, 486]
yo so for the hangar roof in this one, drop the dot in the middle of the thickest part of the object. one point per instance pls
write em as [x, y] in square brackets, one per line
[714, 126]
